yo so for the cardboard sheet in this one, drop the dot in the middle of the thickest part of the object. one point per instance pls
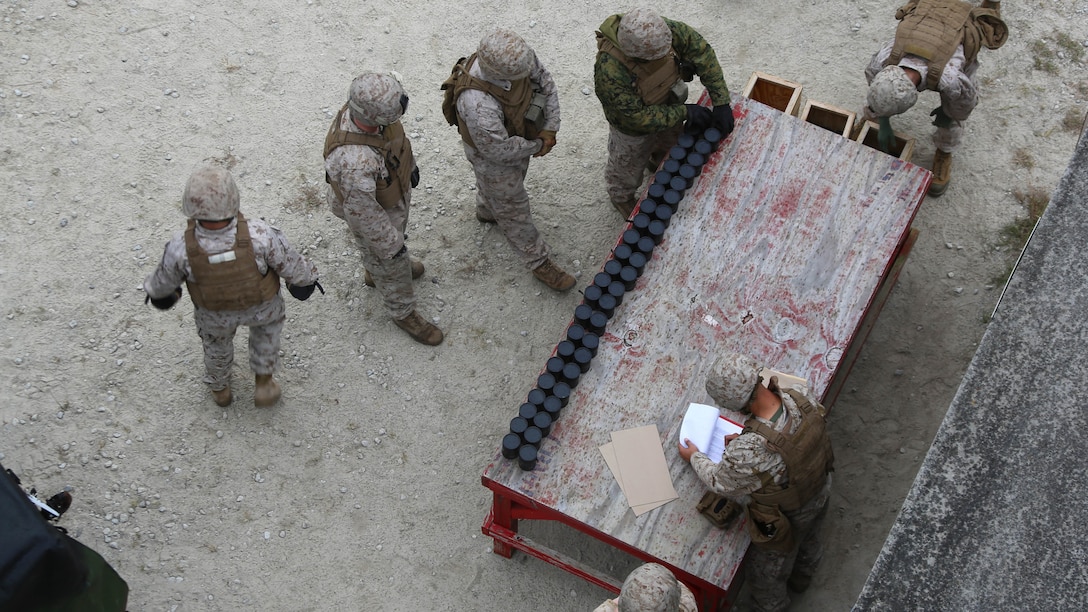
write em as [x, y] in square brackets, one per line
[642, 470]
[609, 454]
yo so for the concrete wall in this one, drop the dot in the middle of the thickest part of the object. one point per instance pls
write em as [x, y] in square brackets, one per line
[997, 518]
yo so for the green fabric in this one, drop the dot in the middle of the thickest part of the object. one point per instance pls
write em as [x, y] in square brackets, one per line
[885, 137]
[106, 591]
[623, 106]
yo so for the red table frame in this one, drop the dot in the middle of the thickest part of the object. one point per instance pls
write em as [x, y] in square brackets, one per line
[509, 506]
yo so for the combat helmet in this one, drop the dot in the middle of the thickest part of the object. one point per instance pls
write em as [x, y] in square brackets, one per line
[891, 92]
[643, 34]
[732, 379]
[503, 54]
[650, 588]
[210, 195]
[377, 98]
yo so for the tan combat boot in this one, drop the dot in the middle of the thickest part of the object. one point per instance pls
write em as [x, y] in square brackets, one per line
[484, 216]
[417, 271]
[553, 276]
[222, 397]
[994, 5]
[266, 392]
[942, 172]
[420, 329]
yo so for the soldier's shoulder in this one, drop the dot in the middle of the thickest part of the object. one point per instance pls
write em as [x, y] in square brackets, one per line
[176, 238]
[611, 68]
[262, 227]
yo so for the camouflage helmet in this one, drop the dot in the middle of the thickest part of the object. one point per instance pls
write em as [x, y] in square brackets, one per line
[891, 92]
[650, 588]
[503, 54]
[732, 379]
[643, 34]
[210, 195]
[377, 98]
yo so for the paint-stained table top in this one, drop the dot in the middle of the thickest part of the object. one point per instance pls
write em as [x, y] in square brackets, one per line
[776, 251]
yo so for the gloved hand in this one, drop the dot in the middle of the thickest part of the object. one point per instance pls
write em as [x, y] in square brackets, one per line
[723, 119]
[415, 177]
[698, 120]
[303, 292]
[940, 119]
[885, 137]
[548, 138]
[164, 303]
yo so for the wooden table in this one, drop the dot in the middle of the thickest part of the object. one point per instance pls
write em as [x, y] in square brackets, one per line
[785, 249]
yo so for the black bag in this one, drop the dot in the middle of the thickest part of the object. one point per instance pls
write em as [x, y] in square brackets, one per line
[41, 568]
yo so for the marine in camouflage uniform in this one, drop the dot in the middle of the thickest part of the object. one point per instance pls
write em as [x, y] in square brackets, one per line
[371, 171]
[499, 144]
[643, 126]
[750, 471]
[935, 48]
[651, 588]
[247, 295]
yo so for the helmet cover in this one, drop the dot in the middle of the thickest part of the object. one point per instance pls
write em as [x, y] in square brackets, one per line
[643, 34]
[503, 54]
[210, 194]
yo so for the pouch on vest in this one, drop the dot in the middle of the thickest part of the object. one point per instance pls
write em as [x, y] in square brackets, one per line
[680, 90]
[769, 528]
[449, 104]
[719, 510]
[535, 113]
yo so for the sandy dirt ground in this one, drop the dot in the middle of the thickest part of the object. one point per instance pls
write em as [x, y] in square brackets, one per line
[361, 489]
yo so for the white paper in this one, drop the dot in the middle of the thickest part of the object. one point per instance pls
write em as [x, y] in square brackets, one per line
[706, 428]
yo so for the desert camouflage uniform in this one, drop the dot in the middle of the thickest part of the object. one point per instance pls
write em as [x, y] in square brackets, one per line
[378, 231]
[637, 130]
[958, 88]
[217, 328]
[687, 602]
[501, 160]
[738, 475]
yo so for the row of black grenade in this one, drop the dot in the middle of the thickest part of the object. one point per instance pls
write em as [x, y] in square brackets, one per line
[621, 271]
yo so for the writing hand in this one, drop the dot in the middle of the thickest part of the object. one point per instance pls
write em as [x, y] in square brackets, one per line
[687, 448]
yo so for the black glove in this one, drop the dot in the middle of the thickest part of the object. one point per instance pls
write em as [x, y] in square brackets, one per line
[415, 177]
[164, 303]
[698, 120]
[940, 119]
[303, 292]
[723, 119]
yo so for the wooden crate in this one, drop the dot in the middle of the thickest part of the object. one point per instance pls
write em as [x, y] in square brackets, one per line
[774, 92]
[831, 118]
[903, 148]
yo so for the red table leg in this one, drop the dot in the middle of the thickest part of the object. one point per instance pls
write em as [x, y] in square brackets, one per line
[503, 516]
